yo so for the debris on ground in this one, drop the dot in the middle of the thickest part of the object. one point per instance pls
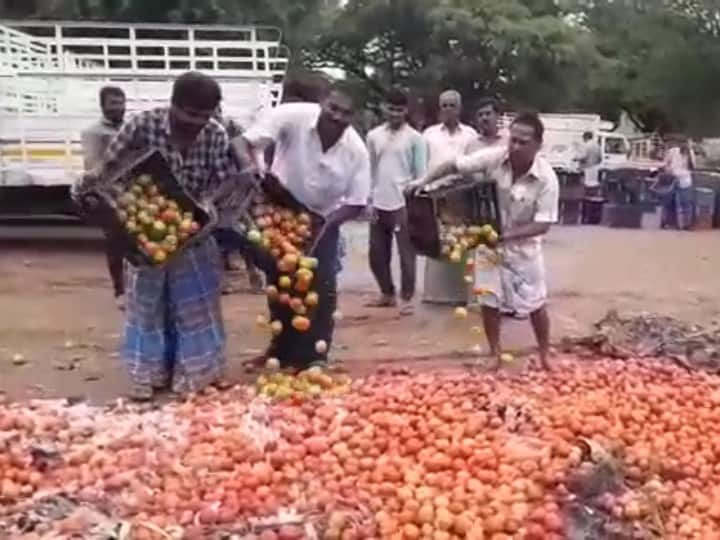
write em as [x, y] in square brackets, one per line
[608, 449]
[654, 336]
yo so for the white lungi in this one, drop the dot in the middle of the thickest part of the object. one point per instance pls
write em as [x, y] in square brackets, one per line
[516, 284]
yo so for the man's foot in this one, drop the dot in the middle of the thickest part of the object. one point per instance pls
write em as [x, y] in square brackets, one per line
[383, 301]
[407, 308]
[141, 392]
[223, 384]
[544, 364]
[257, 362]
[256, 282]
[227, 287]
[120, 302]
[161, 385]
[539, 362]
[320, 364]
[230, 265]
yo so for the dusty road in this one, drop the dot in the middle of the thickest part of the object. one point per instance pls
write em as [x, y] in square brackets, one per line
[57, 312]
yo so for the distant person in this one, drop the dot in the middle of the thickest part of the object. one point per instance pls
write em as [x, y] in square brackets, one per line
[528, 195]
[678, 165]
[398, 156]
[95, 140]
[487, 123]
[590, 158]
[450, 137]
[444, 283]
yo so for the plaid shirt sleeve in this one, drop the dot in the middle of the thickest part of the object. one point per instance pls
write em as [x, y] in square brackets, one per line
[222, 162]
[233, 182]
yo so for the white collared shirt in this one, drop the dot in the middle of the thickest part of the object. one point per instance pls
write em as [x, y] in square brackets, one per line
[444, 145]
[481, 141]
[323, 181]
[532, 198]
[679, 165]
[397, 156]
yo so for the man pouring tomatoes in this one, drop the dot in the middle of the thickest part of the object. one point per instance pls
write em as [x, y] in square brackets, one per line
[528, 198]
[174, 336]
[322, 161]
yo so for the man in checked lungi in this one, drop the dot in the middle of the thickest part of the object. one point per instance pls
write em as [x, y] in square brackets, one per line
[174, 335]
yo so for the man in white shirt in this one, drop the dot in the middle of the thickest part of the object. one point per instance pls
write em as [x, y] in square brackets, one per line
[449, 138]
[95, 140]
[528, 196]
[398, 155]
[679, 163]
[590, 159]
[444, 282]
[323, 162]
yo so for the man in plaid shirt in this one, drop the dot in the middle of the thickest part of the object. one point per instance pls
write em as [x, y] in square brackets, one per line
[174, 332]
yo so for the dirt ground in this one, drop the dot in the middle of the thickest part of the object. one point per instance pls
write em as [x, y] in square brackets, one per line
[57, 312]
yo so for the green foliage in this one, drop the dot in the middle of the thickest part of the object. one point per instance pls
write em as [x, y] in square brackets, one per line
[658, 60]
[664, 59]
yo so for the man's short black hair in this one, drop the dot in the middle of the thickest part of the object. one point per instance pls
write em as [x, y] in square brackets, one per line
[488, 102]
[397, 97]
[587, 135]
[532, 119]
[305, 86]
[342, 87]
[195, 90]
[107, 91]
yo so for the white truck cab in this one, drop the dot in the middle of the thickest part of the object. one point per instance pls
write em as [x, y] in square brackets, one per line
[564, 138]
[51, 74]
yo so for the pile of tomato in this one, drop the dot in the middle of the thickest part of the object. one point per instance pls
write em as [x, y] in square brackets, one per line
[421, 456]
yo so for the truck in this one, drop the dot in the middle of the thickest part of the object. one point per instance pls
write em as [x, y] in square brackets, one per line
[51, 74]
[564, 137]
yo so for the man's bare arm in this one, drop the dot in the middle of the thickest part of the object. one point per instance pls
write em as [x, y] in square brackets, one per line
[441, 170]
[343, 214]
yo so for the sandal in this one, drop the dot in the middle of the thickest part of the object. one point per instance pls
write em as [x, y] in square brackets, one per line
[141, 393]
[257, 362]
[382, 302]
[223, 384]
[407, 308]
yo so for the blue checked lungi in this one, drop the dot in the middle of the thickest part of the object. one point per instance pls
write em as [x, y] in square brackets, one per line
[174, 330]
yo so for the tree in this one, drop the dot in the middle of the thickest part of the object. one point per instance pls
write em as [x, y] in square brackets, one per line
[657, 60]
[520, 52]
[662, 60]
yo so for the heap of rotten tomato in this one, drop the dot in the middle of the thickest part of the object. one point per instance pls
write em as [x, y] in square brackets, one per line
[397, 456]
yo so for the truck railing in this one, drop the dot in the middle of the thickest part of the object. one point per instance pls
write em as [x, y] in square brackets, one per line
[51, 73]
[109, 49]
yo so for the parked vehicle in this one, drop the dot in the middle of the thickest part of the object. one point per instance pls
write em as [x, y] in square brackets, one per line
[51, 74]
[564, 137]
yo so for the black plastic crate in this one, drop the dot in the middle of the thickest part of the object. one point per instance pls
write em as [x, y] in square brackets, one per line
[464, 202]
[276, 193]
[154, 164]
